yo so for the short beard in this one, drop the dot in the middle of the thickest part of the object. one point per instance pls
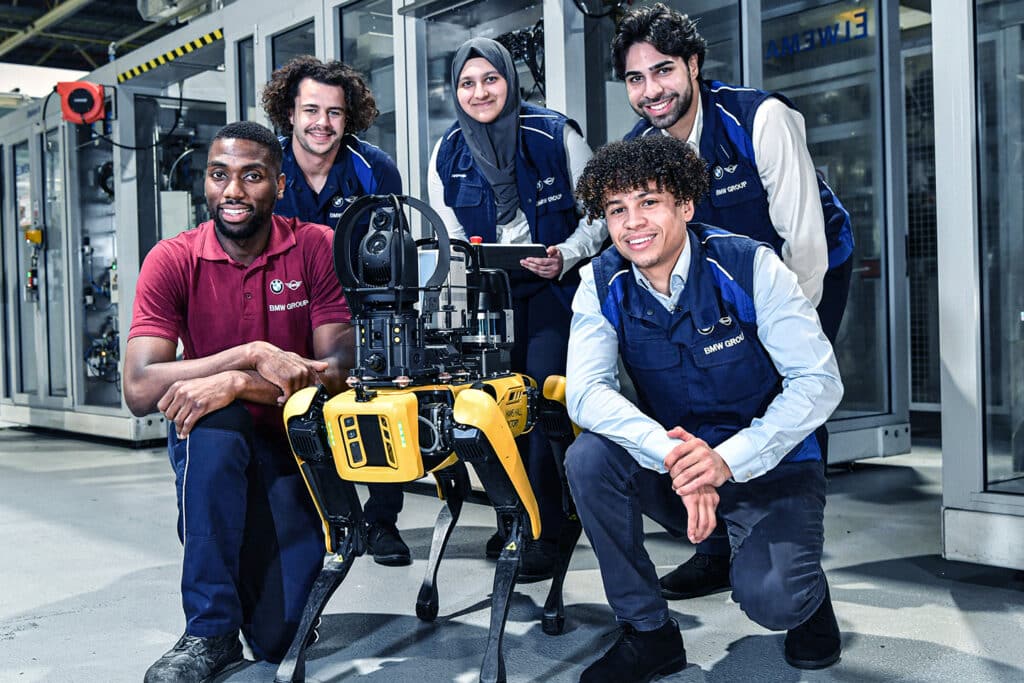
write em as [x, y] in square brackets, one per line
[672, 116]
[240, 233]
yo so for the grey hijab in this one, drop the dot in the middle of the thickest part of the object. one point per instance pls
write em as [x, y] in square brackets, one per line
[493, 145]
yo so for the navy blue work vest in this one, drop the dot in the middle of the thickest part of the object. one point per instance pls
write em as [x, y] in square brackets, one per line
[360, 168]
[542, 176]
[700, 366]
[736, 197]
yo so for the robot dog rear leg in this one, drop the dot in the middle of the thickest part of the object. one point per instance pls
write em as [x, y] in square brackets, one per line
[453, 483]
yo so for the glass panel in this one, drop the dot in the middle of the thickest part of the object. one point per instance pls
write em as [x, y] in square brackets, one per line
[27, 297]
[825, 58]
[512, 23]
[4, 369]
[246, 80]
[1000, 83]
[609, 115]
[292, 43]
[96, 218]
[922, 266]
[54, 263]
[367, 45]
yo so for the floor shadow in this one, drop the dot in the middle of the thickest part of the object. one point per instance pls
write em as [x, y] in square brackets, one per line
[974, 588]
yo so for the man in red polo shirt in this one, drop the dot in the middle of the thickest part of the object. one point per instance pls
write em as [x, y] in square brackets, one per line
[254, 299]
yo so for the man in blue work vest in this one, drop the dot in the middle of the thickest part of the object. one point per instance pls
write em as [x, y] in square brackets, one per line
[732, 374]
[319, 107]
[762, 184]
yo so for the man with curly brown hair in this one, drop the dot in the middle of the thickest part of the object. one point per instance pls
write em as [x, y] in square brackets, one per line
[763, 184]
[319, 107]
[732, 374]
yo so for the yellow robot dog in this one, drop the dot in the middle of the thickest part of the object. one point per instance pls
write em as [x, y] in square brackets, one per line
[431, 391]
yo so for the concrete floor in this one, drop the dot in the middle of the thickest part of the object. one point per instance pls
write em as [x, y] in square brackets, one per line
[89, 587]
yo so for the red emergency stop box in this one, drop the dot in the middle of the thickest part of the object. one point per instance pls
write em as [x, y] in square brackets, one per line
[81, 102]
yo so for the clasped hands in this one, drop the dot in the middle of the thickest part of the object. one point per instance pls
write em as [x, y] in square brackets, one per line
[697, 471]
[188, 400]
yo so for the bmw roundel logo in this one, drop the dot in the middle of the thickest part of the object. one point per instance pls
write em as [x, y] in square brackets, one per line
[276, 286]
[338, 201]
[717, 172]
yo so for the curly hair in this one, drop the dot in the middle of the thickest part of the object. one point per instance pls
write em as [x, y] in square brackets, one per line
[670, 32]
[672, 165]
[282, 89]
[250, 130]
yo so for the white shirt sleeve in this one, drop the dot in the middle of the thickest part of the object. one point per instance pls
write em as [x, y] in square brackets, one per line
[435, 197]
[586, 240]
[794, 205]
[788, 328]
[592, 383]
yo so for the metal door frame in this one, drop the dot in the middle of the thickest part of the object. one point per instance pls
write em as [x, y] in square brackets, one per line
[977, 526]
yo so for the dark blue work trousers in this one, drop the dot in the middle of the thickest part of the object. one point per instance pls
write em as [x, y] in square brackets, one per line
[774, 524]
[253, 541]
[541, 348]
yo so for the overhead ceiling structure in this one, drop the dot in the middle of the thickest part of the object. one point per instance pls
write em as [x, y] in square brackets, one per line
[74, 34]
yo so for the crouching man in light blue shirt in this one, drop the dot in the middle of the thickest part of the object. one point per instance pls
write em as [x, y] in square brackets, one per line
[732, 373]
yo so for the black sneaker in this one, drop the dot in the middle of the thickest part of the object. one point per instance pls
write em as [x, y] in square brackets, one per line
[639, 656]
[815, 644]
[194, 659]
[386, 546]
[494, 545]
[537, 562]
[700, 575]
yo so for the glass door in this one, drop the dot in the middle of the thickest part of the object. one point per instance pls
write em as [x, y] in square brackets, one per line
[368, 46]
[26, 292]
[294, 42]
[999, 52]
[826, 57]
[54, 263]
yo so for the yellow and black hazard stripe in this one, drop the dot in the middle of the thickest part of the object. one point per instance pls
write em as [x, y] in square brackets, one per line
[171, 55]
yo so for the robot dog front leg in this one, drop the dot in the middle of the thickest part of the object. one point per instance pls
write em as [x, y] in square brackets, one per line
[339, 508]
[482, 437]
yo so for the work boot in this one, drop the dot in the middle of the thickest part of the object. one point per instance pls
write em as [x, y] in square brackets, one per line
[639, 656]
[194, 659]
[815, 643]
[387, 546]
[537, 562]
[700, 575]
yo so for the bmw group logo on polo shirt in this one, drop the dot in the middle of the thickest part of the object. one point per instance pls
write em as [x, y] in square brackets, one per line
[338, 201]
[276, 286]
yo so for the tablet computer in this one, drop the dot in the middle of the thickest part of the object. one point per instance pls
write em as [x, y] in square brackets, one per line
[507, 256]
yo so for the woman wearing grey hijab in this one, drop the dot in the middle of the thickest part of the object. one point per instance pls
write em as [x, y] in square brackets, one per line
[505, 171]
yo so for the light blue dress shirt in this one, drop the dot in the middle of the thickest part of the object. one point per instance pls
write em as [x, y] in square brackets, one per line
[788, 328]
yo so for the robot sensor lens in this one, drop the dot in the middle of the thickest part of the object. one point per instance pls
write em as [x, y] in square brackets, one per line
[377, 244]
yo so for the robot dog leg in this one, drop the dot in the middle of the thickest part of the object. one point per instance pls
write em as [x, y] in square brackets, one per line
[560, 431]
[339, 507]
[452, 486]
[482, 436]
